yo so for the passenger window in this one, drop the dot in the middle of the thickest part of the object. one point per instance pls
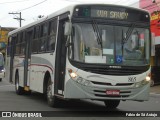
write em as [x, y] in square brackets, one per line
[44, 30]
[35, 41]
[35, 44]
[43, 37]
[9, 46]
[36, 32]
[52, 35]
[17, 38]
[22, 37]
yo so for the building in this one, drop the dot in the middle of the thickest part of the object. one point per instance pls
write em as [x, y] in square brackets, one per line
[3, 38]
[153, 6]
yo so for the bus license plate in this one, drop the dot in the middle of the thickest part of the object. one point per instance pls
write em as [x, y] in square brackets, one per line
[113, 92]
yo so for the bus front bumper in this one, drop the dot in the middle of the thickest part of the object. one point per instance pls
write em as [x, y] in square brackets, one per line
[74, 90]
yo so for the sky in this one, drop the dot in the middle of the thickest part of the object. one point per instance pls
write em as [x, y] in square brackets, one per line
[31, 9]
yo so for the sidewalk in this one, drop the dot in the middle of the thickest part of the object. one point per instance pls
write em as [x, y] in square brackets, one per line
[155, 89]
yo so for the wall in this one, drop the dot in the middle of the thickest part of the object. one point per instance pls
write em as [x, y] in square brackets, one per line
[4, 37]
[154, 10]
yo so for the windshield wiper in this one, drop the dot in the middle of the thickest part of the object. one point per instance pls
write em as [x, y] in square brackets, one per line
[128, 34]
[99, 38]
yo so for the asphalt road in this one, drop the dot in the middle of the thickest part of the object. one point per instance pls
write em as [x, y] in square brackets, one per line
[9, 101]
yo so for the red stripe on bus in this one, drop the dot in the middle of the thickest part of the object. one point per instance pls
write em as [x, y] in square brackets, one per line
[38, 65]
[43, 66]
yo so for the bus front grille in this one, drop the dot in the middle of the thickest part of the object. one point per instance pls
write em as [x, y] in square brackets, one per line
[109, 84]
[111, 96]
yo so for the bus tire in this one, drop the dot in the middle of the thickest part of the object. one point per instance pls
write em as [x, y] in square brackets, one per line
[19, 89]
[111, 104]
[52, 100]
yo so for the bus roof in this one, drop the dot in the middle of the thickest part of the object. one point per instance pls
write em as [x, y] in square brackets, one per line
[70, 9]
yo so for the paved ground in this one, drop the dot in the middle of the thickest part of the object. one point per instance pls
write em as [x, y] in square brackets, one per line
[155, 89]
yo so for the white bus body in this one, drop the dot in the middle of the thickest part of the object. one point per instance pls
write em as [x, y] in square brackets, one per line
[75, 69]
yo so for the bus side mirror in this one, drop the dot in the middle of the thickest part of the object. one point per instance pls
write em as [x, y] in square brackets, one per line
[67, 28]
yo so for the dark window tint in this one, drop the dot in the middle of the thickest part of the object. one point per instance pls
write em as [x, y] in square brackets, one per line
[36, 32]
[52, 35]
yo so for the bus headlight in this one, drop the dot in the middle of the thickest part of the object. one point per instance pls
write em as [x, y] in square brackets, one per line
[86, 83]
[148, 78]
[82, 81]
[138, 84]
[142, 83]
[78, 79]
[73, 75]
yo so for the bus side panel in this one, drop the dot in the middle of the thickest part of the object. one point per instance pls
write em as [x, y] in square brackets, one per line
[35, 73]
[40, 64]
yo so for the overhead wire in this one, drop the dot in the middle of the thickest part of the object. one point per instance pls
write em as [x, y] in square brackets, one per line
[14, 1]
[30, 6]
[3, 18]
[21, 9]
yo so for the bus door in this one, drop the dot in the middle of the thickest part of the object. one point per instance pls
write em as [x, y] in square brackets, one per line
[27, 58]
[60, 62]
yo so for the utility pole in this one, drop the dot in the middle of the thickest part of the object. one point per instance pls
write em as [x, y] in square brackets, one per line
[20, 17]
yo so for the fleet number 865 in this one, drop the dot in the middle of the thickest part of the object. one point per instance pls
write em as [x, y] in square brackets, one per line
[131, 79]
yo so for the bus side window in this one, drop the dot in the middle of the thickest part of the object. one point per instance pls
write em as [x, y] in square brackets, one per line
[52, 35]
[43, 37]
[36, 32]
[13, 45]
[9, 46]
[16, 38]
[35, 41]
[22, 42]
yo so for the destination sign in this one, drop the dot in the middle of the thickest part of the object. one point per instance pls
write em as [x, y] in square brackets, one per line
[109, 14]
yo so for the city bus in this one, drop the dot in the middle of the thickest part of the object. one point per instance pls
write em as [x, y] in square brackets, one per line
[84, 51]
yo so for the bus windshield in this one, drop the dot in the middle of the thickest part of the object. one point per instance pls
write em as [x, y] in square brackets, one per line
[110, 44]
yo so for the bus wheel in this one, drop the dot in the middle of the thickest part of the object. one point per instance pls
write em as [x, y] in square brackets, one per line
[111, 104]
[52, 100]
[0, 79]
[19, 89]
